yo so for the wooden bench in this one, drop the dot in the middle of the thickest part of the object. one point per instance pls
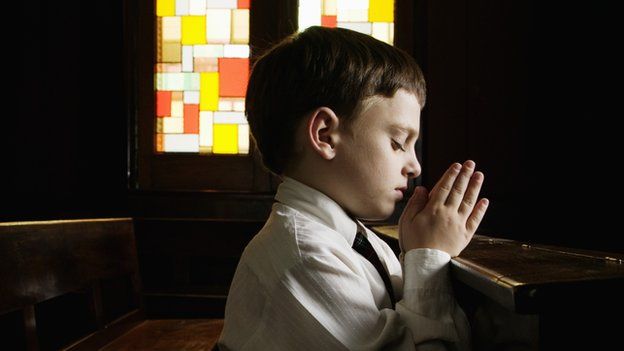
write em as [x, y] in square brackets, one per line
[74, 285]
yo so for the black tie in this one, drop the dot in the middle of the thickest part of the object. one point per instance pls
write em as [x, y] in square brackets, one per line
[364, 248]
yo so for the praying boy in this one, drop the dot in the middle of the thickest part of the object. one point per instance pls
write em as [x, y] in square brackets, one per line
[336, 115]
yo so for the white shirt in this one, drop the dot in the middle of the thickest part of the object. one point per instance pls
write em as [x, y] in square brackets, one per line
[300, 286]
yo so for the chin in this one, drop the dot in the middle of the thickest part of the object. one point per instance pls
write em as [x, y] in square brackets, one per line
[378, 214]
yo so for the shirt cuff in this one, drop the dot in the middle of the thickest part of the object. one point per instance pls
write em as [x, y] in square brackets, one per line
[426, 269]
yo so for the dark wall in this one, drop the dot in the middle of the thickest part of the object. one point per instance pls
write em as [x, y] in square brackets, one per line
[522, 88]
[66, 152]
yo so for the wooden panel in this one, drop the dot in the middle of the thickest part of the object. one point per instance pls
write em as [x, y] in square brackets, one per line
[531, 278]
[204, 204]
[165, 335]
[42, 260]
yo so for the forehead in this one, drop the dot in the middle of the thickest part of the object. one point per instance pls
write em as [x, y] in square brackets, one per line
[399, 113]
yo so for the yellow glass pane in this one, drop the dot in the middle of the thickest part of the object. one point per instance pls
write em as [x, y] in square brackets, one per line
[193, 30]
[218, 24]
[209, 91]
[165, 7]
[243, 138]
[240, 26]
[329, 7]
[159, 125]
[381, 11]
[225, 139]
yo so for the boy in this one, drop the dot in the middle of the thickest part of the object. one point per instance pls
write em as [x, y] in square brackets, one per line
[336, 114]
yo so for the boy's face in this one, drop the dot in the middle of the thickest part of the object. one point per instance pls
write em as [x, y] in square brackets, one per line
[377, 157]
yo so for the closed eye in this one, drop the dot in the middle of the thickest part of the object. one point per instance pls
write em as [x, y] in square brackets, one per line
[396, 145]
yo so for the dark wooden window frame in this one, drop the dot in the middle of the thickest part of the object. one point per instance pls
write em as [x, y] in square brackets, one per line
[270, 21]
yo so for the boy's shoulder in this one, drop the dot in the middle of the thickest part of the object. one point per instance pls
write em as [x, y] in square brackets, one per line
[288, 238]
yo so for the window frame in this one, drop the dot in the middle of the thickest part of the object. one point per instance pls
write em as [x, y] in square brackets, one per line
[270, 21]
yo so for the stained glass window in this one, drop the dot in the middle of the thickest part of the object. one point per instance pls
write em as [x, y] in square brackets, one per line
[202, 68]
[372, 17]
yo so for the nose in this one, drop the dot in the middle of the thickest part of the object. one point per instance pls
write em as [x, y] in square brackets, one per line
[412, 166]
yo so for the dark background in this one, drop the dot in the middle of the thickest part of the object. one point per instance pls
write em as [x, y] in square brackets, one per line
[527, 91]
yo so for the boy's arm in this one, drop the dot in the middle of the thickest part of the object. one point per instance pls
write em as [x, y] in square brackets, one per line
[327, 302]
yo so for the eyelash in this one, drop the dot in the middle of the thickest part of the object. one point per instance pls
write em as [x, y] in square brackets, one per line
[398, 145]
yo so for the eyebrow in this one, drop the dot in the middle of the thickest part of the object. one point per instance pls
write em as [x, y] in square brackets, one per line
[405, 129]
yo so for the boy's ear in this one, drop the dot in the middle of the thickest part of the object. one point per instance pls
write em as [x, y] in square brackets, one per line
[323, 132]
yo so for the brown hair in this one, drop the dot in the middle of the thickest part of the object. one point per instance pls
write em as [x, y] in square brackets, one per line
[332, 67]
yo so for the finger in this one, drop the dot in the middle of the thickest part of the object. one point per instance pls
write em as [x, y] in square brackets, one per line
[472, 193]
[458, 190]
[420, 201]
[477, 215]
[443, 187]
[414, 203]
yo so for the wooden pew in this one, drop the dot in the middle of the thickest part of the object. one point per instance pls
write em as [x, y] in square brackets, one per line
[74, 285]
[522, 296]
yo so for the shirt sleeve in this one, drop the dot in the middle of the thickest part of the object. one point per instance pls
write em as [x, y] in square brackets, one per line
[328, 305]
[428, 307]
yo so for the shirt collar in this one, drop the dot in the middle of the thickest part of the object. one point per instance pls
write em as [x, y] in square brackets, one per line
[319, 206]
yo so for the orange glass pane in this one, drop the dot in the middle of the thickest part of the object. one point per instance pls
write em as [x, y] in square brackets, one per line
[233, 76]
[191, 119]
[329, 21]
[243, 4]
[163, 103]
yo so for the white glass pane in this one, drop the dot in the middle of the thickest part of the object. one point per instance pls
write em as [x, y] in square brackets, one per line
[225, 105]
[329, 7]
[381, 31]
[239, 105]
[205, 128]
[182, 7]
[187, 58]
[240, 26]
[181, 142]
[218, 26]
[229, 118]
[170, 81]
[177, 109]
[352, 15]
[243, 139]
[222, 4]
[236, 51]
[208, 51]
[191, 97]
[173, 125]
[352, 5]
[197, 7]
[172, 28]
[309, 13]
[362, 27]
